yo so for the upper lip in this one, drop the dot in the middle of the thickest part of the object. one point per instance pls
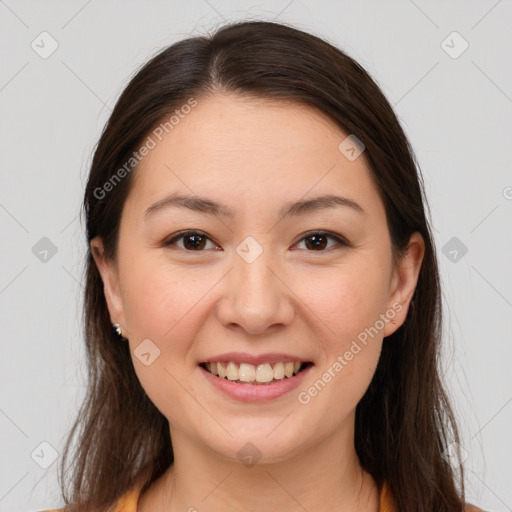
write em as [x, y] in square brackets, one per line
[244, 357]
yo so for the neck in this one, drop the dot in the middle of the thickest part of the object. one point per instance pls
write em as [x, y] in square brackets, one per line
[323, 477]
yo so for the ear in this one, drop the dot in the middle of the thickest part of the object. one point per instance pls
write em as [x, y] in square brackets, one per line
[403, 282]
[109, 275]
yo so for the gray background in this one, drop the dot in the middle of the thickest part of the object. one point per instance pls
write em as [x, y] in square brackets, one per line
[456, 112]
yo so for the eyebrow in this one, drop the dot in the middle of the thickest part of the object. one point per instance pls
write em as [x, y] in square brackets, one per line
[211, 207]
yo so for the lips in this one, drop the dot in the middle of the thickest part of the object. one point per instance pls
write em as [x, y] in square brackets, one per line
[245, 370]
[244, 388]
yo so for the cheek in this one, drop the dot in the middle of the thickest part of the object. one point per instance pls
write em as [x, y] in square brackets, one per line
[339, 386]
[347, 311]
[160, 300]
[345, 301]
[163, 305]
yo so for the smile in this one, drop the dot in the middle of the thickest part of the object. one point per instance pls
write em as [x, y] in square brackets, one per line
[265, 373]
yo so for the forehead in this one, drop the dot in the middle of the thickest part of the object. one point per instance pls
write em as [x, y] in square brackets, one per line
[227, 125]
[238, 148]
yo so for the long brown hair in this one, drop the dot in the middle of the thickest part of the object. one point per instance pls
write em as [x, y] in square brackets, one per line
[404, 422]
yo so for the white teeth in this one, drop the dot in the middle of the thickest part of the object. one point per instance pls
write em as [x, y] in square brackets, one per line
[232, 371]
[245, 372]
[264, 373]
[279, 371]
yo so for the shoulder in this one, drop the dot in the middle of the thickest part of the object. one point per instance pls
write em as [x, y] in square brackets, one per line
[63, 509]
[127, 502]
[473, 508]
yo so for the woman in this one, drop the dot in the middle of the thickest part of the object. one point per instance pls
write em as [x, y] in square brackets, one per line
[262, 303]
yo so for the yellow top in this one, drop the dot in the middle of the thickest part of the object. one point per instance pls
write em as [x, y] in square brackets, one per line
[128, 501]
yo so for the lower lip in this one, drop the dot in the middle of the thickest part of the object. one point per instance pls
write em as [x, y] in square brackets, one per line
[255, 392]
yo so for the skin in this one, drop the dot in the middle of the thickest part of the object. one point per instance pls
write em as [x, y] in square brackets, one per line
[254, 156]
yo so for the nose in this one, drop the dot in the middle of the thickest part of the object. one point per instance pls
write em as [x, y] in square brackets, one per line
[256, 297]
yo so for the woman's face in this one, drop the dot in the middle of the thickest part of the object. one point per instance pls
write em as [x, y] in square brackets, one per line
[251, 282]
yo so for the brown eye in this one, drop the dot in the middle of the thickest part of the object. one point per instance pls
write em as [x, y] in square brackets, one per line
[318, 241]
[196, 241]
[193, 241]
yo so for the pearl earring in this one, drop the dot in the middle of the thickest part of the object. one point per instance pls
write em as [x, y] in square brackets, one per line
[117, 328]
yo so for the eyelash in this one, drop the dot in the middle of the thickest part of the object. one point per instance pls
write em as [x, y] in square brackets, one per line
[341, 242]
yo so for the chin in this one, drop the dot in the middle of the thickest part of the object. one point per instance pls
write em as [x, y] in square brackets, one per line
[257, 446]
